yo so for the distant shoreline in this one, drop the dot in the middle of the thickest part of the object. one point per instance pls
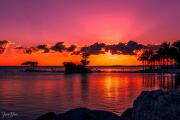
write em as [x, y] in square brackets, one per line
[121, 69]
[87, 66]
[100, 71]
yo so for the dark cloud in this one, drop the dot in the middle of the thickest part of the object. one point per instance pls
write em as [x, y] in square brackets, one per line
[3, 45]
[96, 48]
[116, 48]
[30, 50]
[128, 48]
[71, 48]
[132, 45]
[153, 47]
[59, 47]
[44, 48]
[120, 48]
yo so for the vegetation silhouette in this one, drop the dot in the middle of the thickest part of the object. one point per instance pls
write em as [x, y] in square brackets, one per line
[30, 63]
[31, 66]
[71, 67]
[85, 57]
[166, 57]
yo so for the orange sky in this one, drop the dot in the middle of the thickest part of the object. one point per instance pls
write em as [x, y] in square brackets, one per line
[56, 59]
[34, 22]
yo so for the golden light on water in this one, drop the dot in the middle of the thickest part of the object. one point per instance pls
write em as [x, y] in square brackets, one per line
[112, 86]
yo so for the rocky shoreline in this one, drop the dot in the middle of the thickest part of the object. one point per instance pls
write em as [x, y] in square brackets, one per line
[149, 105]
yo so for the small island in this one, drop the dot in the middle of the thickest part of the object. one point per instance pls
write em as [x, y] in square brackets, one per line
[71, 67]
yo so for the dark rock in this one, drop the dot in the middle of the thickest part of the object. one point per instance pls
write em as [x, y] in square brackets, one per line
[81, 114]
[48, 116]
[155, 105]
[127, 115]
[77, 114]
[104, 115]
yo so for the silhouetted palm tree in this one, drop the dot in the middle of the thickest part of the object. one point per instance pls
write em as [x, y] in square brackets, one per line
[166, 56]
[176, 45]
[154, 59]
[164, 53]
[150, 56]
[173, 54]
[143, 58]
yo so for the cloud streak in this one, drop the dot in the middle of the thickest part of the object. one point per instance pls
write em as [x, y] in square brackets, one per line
[45, 48]
[128, 48]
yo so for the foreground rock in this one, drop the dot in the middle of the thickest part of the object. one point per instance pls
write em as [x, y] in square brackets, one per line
[150, 105]
[81, 114]
[155, 105]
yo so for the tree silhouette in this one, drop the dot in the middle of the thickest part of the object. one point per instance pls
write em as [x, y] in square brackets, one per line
[143, 58]
[30, 63]
[176, 45]
[166, 52]
[85, 57]
[166, 56]
[154, 59]
[70, 67]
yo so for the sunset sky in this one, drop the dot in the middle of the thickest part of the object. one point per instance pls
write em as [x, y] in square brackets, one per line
[29, 23]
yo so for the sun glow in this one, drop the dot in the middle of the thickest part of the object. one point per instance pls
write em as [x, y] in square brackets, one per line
[109, 53]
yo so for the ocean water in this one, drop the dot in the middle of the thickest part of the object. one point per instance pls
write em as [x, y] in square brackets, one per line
[33, 94]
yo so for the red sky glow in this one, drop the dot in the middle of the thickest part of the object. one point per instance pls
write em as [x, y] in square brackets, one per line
[84, 22]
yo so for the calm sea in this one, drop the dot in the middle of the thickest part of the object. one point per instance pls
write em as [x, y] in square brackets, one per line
[33, 94]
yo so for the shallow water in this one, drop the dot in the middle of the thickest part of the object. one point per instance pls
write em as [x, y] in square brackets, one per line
[33, 94]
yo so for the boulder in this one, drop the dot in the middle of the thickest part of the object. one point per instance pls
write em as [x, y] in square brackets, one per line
[81, 114]
[155, 105]
[127, 114]
[48, 116]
